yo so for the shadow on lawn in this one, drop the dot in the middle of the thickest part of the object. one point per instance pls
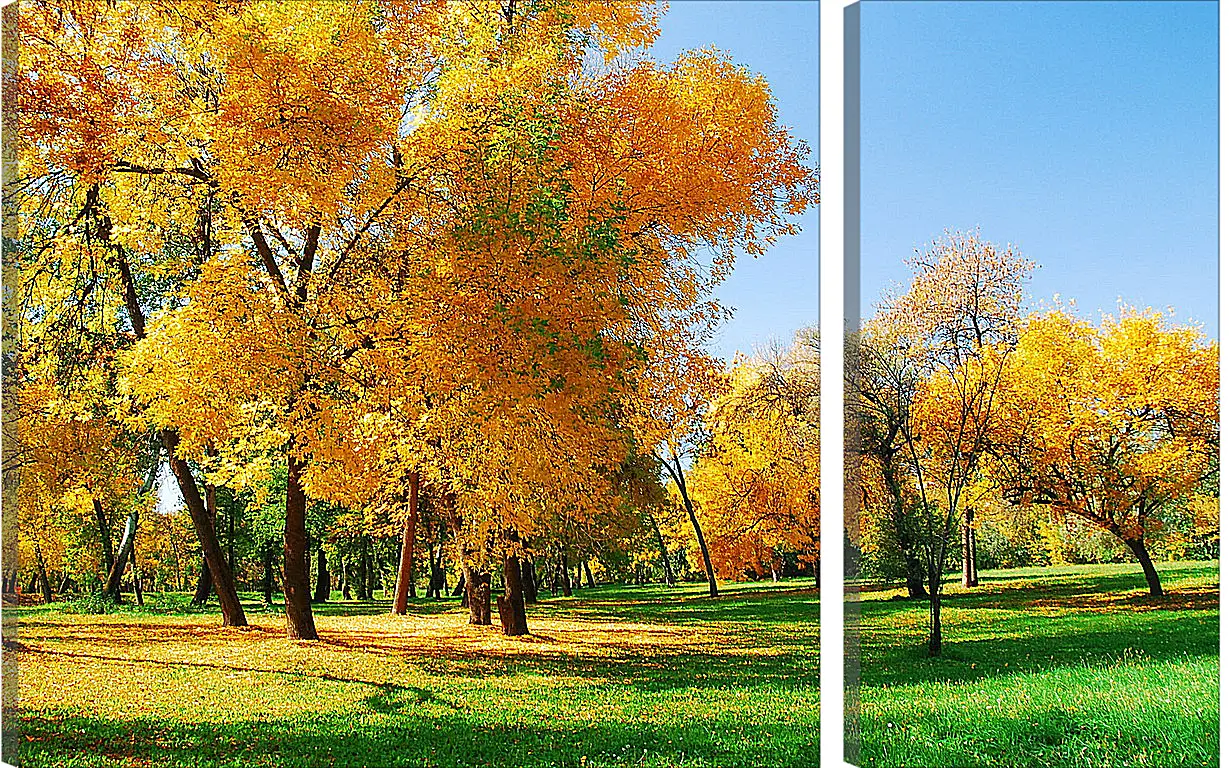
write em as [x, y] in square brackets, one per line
[430, 738]
[1027, 641]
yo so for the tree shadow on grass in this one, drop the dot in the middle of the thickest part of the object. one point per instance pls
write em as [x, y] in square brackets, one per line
[1032, 643]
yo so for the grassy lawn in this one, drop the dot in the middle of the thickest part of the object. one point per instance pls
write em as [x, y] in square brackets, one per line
[1071, 666]
[612, 677]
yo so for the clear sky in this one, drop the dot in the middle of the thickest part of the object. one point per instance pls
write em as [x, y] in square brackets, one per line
[777, 293]
[1084, 133]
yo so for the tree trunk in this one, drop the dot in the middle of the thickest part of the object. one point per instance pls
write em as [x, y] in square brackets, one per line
[104, 533]
[665, 554]
[204, 585]
[512, 602]
[935, 645]
[42, 573]
[968, 552]
[915, 580]
[300, 624]
[345, 579]
[567, 578]
[126, 550]
[405, 570]
[589, 575]
[815, 566]
[478, 596]
[232, 609]
[360, 576]
[1141, 553]
[322, 577]
[579, 572]
[219, 573]
[266, 582]
[136, 574]
[459, 590]
[681, 482]
[529, 582]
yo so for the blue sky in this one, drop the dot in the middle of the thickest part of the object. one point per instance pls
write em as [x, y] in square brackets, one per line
[1084, 133]
[779, 292]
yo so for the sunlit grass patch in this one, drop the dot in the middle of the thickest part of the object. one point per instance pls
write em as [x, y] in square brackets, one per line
[1074, 667]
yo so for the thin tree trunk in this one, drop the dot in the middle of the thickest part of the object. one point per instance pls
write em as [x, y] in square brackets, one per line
[579, 572]
[136, 574]
[300, 624]
[104, 533]
[459, 590]
[589, 575]
[322, 577]
[681, 482]
[345, 579]
[665, 554]
[815, 567]
[969, 552]
[405, 570]
[567, 578]
[1145, 560]
[935, 644]
[127, 543]
[512, 601]
[361, 575]
[266, 582]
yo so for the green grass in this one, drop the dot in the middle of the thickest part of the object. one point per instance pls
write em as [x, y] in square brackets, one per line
[1072, 666]
[611, 677]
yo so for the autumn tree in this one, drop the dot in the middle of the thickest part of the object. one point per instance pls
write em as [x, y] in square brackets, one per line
[1109, 424]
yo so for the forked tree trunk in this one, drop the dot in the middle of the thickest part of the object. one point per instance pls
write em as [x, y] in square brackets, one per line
[126, 551]
[104, 533]
[512, 601]
[405, 570]
[300, 624]
[321, 594]
[1145, 560]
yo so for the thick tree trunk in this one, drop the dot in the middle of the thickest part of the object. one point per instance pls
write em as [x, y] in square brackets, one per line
[512, 601]
[567, 578]
[478, 596]
[219, 572]
[300, 624]
[1145, 560]
[204, 585]
[665, 554]
[529, 581]
[104, 533]
[405, 570]
[321, 595]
